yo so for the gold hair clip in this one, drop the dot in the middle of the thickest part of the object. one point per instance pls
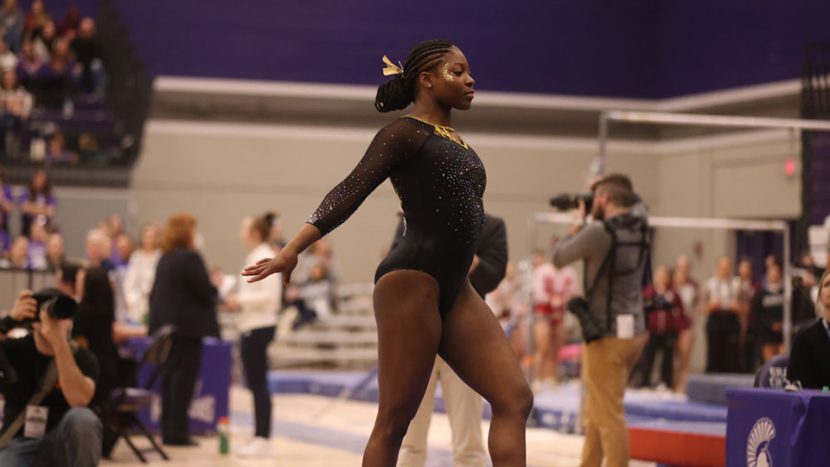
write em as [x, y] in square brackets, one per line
[391, 68]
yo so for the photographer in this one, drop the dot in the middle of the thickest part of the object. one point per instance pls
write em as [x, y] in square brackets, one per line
[47, 386]
[614, 249]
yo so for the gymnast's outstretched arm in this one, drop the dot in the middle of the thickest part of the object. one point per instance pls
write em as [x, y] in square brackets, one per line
[391, 147]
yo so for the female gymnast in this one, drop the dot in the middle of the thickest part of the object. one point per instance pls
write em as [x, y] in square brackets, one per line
[424, 303]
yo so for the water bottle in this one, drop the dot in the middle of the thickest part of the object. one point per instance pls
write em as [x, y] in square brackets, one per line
[224, 427]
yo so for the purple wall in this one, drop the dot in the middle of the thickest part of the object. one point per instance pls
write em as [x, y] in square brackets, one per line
[713, 44]
[536, 46]
[622, 48]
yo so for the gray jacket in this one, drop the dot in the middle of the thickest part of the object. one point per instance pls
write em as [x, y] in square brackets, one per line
[592, 244]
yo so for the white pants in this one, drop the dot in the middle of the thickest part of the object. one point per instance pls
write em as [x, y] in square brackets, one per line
[464, 408]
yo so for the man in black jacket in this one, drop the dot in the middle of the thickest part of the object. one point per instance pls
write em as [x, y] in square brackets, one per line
[464, 406]
[810, 355]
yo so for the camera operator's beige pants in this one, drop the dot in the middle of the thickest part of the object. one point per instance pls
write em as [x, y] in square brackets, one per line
[464, 408]
[606, 364]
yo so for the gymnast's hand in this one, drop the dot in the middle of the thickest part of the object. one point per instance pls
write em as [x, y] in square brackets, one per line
[284, 263]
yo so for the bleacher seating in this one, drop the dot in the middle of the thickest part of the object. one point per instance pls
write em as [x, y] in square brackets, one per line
[347, 339]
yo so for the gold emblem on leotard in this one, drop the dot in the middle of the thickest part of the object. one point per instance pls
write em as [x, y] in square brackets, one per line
[446, 132]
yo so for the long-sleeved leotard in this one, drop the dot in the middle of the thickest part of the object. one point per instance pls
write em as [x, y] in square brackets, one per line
[440, 184]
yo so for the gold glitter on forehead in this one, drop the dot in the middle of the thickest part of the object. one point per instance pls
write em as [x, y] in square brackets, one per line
[446, 72]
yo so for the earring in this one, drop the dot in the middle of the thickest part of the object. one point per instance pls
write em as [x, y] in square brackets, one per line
[429, 86]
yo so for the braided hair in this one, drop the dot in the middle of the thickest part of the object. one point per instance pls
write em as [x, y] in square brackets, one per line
[399, 92]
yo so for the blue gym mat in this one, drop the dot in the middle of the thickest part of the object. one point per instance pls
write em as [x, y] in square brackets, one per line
[556, 410]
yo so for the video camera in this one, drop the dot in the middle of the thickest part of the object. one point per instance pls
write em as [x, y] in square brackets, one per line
[568, 201]
[55, 303]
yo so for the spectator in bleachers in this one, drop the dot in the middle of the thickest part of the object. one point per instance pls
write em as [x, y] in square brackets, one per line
[17, 101]
[18, 254]
[321, 253]
[98, 250]
[141, 272]
[317, 291]
[664, 319]
[37, 201]
[689, 291]
[88, 150]
[44, 40]
[58, 76]
[55, 251]
[257, 305]
[29, 65]
[6, 208]
[723, 326]
[313, 286]
[16, 106]
[768, 313]
[87, 50]
[37, 246]
[56, 152]
[36, 18]
[11, 24]
[8, 60]
[182, 296]
[68, 26]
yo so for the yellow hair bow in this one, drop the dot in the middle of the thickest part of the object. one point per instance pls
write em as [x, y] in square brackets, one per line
[391, 68]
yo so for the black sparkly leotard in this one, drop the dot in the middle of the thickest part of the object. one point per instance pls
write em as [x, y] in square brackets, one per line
[440, 184]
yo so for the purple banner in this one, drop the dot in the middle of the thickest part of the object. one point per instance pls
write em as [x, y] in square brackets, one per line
[767, 427]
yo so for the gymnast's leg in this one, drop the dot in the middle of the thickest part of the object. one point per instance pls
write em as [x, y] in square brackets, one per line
[409, 331]
[475, 346]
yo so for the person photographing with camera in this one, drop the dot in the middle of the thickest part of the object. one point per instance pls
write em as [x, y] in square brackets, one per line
[47, 384]
[614, 248]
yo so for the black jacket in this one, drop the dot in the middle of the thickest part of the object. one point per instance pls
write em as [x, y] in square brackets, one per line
[810, 357]
[491, 249]
[183, 296]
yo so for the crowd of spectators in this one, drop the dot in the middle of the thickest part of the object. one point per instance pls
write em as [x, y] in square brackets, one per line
[48, 65]
[736, 316]
[37, 206]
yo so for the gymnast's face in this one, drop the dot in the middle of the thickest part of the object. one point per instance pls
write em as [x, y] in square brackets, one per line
[451, 82]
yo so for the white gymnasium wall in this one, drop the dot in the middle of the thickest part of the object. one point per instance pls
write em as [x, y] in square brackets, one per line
[739, 176]
[222, 172]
